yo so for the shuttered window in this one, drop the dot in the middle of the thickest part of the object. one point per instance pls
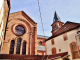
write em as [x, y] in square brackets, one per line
[65, 37]
[52, 41]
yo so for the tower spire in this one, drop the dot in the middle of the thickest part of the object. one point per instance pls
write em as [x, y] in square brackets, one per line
[56, 17]
[57, 24]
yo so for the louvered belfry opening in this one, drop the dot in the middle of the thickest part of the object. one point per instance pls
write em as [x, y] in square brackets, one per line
[12, 47]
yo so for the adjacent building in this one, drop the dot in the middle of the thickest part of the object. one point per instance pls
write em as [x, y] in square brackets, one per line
[65, 38]
[41, 50]
[4, 13]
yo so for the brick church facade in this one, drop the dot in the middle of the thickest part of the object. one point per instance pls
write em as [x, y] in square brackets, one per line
[21, 36]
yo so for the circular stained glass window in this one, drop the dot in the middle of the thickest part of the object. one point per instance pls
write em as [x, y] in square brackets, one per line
[19, 30]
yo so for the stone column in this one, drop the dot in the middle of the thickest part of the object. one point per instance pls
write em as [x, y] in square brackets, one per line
[21, 47]
[35, 41]
[15, 46]
[29, 43]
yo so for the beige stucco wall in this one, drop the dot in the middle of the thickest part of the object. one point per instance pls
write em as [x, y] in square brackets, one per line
[59, 43]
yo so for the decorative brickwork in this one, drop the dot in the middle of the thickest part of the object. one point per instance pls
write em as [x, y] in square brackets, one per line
[29, 36]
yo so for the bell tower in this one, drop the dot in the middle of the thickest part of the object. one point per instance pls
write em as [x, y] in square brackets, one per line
[57, 24]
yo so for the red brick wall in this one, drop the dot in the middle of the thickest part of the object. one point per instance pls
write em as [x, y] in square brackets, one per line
[20, 18]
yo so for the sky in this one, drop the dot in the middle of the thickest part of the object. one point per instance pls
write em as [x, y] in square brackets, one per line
[67, 10]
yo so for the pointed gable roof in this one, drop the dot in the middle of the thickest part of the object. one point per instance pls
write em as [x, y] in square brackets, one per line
[15, 14]
[56, 17]
[68, 26]
[29, 18]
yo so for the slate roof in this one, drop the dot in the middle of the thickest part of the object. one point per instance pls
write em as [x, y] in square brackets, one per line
[65, 28]
[56, 17]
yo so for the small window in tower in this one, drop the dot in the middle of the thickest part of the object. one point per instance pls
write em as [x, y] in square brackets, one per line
[65, 37]
[40, 43]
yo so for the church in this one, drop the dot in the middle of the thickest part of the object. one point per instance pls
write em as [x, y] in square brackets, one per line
[21, 36]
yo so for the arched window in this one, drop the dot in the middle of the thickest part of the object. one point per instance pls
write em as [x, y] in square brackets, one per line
[24, 48]
[74, 50]
[12, 47]
[18, 46]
